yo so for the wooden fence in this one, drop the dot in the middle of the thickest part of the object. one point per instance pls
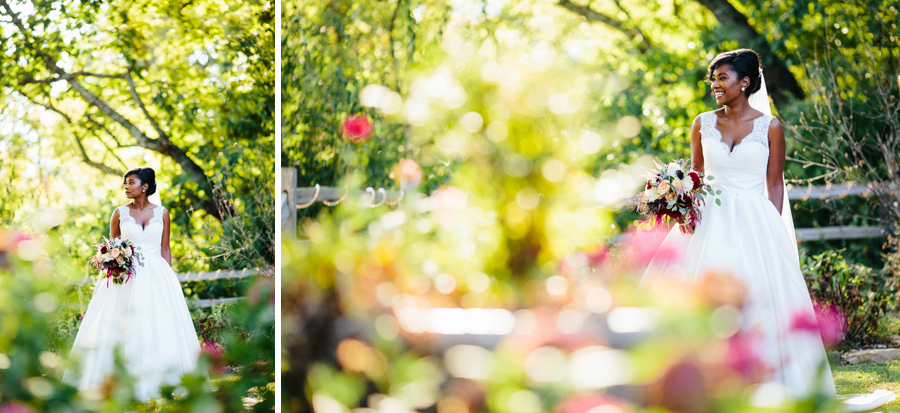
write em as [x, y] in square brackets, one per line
[212, 275]
[293, 197]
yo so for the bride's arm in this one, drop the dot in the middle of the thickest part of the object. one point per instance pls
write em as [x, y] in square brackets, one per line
[696, 148]
[114, 225]
[164, 248]
[775, 169]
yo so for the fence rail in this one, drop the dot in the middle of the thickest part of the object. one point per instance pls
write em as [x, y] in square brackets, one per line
[802, 193]
[839, 232]
[212, 302]
[223, 274]
[303, 197]
[211, 275]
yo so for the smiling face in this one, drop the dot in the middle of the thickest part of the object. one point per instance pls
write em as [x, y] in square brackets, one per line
[133, 186]
[725, 84]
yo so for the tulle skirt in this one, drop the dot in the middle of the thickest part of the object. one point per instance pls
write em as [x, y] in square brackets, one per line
[745, 236]
[146, 321]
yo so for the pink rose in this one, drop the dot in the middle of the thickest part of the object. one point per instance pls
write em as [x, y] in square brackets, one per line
[357, 128]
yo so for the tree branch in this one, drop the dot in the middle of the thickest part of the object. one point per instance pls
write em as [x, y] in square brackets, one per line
[68, 76]
[137, 98]
[108, 132]
[84, 155]
[629, 30]
[161, 144]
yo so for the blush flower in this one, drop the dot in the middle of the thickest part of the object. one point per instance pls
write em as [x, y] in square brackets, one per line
[663, 187]
[409, 173]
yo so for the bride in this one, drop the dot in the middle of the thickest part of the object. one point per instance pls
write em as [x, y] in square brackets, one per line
[751, 234]
[146, 319]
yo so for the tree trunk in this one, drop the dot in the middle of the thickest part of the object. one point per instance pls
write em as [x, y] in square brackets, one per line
[781, 83]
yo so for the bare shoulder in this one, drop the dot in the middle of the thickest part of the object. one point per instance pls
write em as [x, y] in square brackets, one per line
[775, 124]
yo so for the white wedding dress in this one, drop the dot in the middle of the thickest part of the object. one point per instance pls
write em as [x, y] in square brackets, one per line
[745, 236]
[146, 319]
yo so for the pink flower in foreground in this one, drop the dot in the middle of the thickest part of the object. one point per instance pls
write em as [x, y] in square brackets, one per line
[598, 256]
[743, 358]
[216, 352]
[448, 204]
[584, 403]
[357, 128]
[827, 321]
[647, 245]
[15, 407]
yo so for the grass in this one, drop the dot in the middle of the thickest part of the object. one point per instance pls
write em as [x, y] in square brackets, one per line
[866, 378]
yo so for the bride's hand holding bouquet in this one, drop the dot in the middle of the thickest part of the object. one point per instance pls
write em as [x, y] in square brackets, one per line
[117, 259]
[674, 192]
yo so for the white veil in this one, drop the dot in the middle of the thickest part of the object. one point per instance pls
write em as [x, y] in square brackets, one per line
[760, 102]
[155, 198]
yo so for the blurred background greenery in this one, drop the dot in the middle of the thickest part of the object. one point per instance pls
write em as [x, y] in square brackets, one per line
[89, 90]
[532, 123]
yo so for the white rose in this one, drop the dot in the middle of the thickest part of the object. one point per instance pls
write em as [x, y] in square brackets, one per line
[652, 194]
[687, 183]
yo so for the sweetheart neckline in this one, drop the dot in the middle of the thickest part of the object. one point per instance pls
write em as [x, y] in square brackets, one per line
[143, 228]
[730, 151]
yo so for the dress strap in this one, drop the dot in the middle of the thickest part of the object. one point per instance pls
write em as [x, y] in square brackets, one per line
[158, 214]
[124, 214]
[707, 123]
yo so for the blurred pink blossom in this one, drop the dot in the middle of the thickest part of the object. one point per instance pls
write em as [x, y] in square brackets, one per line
[584, 403]
[449, 202]
[598, 256]
[647, 245]
[214, 349]
[15, 407]
[216, 353]
[827, 320]
[357, 128]
[743, 358]
[409, 173]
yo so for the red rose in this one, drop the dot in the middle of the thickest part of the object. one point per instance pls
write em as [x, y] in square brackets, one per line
[357, 128]
[648, 185]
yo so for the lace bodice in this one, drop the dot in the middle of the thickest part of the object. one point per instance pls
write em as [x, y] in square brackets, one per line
[744, 167]
[148, 238]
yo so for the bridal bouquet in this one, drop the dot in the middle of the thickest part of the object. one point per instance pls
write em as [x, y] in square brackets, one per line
[118, 258]
[674, 192]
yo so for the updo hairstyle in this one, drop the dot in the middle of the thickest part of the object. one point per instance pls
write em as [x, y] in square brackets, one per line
[146, 175]
[743, 61]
